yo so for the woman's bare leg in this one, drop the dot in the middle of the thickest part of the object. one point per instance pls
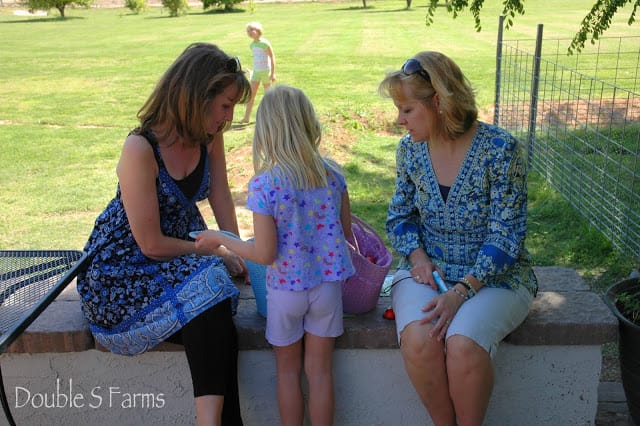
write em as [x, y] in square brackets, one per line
[470, 373]
[424, 360]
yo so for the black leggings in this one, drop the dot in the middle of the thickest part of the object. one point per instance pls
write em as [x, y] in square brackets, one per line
[211, 344]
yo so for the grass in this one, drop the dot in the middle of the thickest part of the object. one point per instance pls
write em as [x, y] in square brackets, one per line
[71, 89]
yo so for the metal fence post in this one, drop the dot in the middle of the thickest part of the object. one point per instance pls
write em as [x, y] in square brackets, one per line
[533, 111]
[496, 102]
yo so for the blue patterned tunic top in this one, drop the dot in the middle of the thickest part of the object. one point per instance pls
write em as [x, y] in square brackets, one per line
[133, 302]
[480, 229]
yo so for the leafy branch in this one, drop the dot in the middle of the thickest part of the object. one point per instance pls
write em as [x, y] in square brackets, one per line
[454, 7]
[594, 24]
[598, 20]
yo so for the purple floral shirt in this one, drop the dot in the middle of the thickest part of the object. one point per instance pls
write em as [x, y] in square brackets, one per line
[311, 244]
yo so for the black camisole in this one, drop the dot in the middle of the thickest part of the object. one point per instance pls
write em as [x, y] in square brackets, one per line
[190, 184]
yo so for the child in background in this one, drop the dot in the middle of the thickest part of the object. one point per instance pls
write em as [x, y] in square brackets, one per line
[264, 65]
[302, 222]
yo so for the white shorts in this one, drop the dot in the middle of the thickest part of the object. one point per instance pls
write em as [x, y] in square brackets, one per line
[486, 318]
[292, 313]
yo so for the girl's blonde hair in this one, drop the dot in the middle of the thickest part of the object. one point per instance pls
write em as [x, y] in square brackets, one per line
[255, 26]
[287, 137]
[457, 106]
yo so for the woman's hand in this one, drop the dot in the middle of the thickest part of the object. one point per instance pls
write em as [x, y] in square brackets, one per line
[422, 273]
[212, 241]
[234, 263]
[444, 308]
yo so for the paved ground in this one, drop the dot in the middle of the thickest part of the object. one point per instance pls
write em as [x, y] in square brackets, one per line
[612, 406]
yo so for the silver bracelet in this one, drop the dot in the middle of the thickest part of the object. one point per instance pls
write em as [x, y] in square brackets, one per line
[459, 293]
[470, 290]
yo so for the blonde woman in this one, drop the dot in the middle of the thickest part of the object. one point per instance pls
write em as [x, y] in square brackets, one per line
[302, 221]
[459, 208]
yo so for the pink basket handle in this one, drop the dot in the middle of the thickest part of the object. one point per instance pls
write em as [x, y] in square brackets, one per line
[366, 228]
[364, 225]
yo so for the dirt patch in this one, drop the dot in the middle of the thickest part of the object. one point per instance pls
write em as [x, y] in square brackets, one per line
[595, 112]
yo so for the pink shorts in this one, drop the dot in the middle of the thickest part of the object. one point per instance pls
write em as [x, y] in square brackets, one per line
[292, 313]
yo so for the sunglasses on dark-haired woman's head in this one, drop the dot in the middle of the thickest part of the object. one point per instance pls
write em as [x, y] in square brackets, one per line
[233, 64]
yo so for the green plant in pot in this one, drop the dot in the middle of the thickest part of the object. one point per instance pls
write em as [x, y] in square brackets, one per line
[623, 298]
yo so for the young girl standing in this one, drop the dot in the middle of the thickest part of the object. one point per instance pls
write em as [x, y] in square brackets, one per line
[264, 65]
[302, 222]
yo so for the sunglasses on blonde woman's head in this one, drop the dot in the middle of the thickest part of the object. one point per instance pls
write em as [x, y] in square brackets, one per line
[413, 66]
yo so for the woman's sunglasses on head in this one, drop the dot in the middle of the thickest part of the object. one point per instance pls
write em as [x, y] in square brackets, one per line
[412, 66]
[233, 64]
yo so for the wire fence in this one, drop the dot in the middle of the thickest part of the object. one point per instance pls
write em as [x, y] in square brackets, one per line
[580, 118]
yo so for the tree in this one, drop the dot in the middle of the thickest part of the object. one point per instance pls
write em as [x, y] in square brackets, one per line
[58, 4]
[228, 4]
[136, 6]
[594, 24]
[176, 7]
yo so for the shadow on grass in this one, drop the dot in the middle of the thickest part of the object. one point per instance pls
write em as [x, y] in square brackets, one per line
[216, 11]
[368, 9]
[372, 9]
[42, 19]
[202, 13]
[371, 190]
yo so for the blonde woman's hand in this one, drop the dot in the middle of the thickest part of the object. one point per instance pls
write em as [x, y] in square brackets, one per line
[443, 308]
[422, 273]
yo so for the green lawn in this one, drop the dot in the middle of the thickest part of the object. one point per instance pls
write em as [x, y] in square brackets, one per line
[70, 89]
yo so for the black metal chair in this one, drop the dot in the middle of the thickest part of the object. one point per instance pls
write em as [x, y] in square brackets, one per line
[29, 281]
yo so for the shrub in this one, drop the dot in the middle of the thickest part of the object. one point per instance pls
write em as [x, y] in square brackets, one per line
[136, 6]
[176, 7]
[228, 4]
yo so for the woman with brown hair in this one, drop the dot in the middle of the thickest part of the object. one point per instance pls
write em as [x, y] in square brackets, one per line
[146, 281]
